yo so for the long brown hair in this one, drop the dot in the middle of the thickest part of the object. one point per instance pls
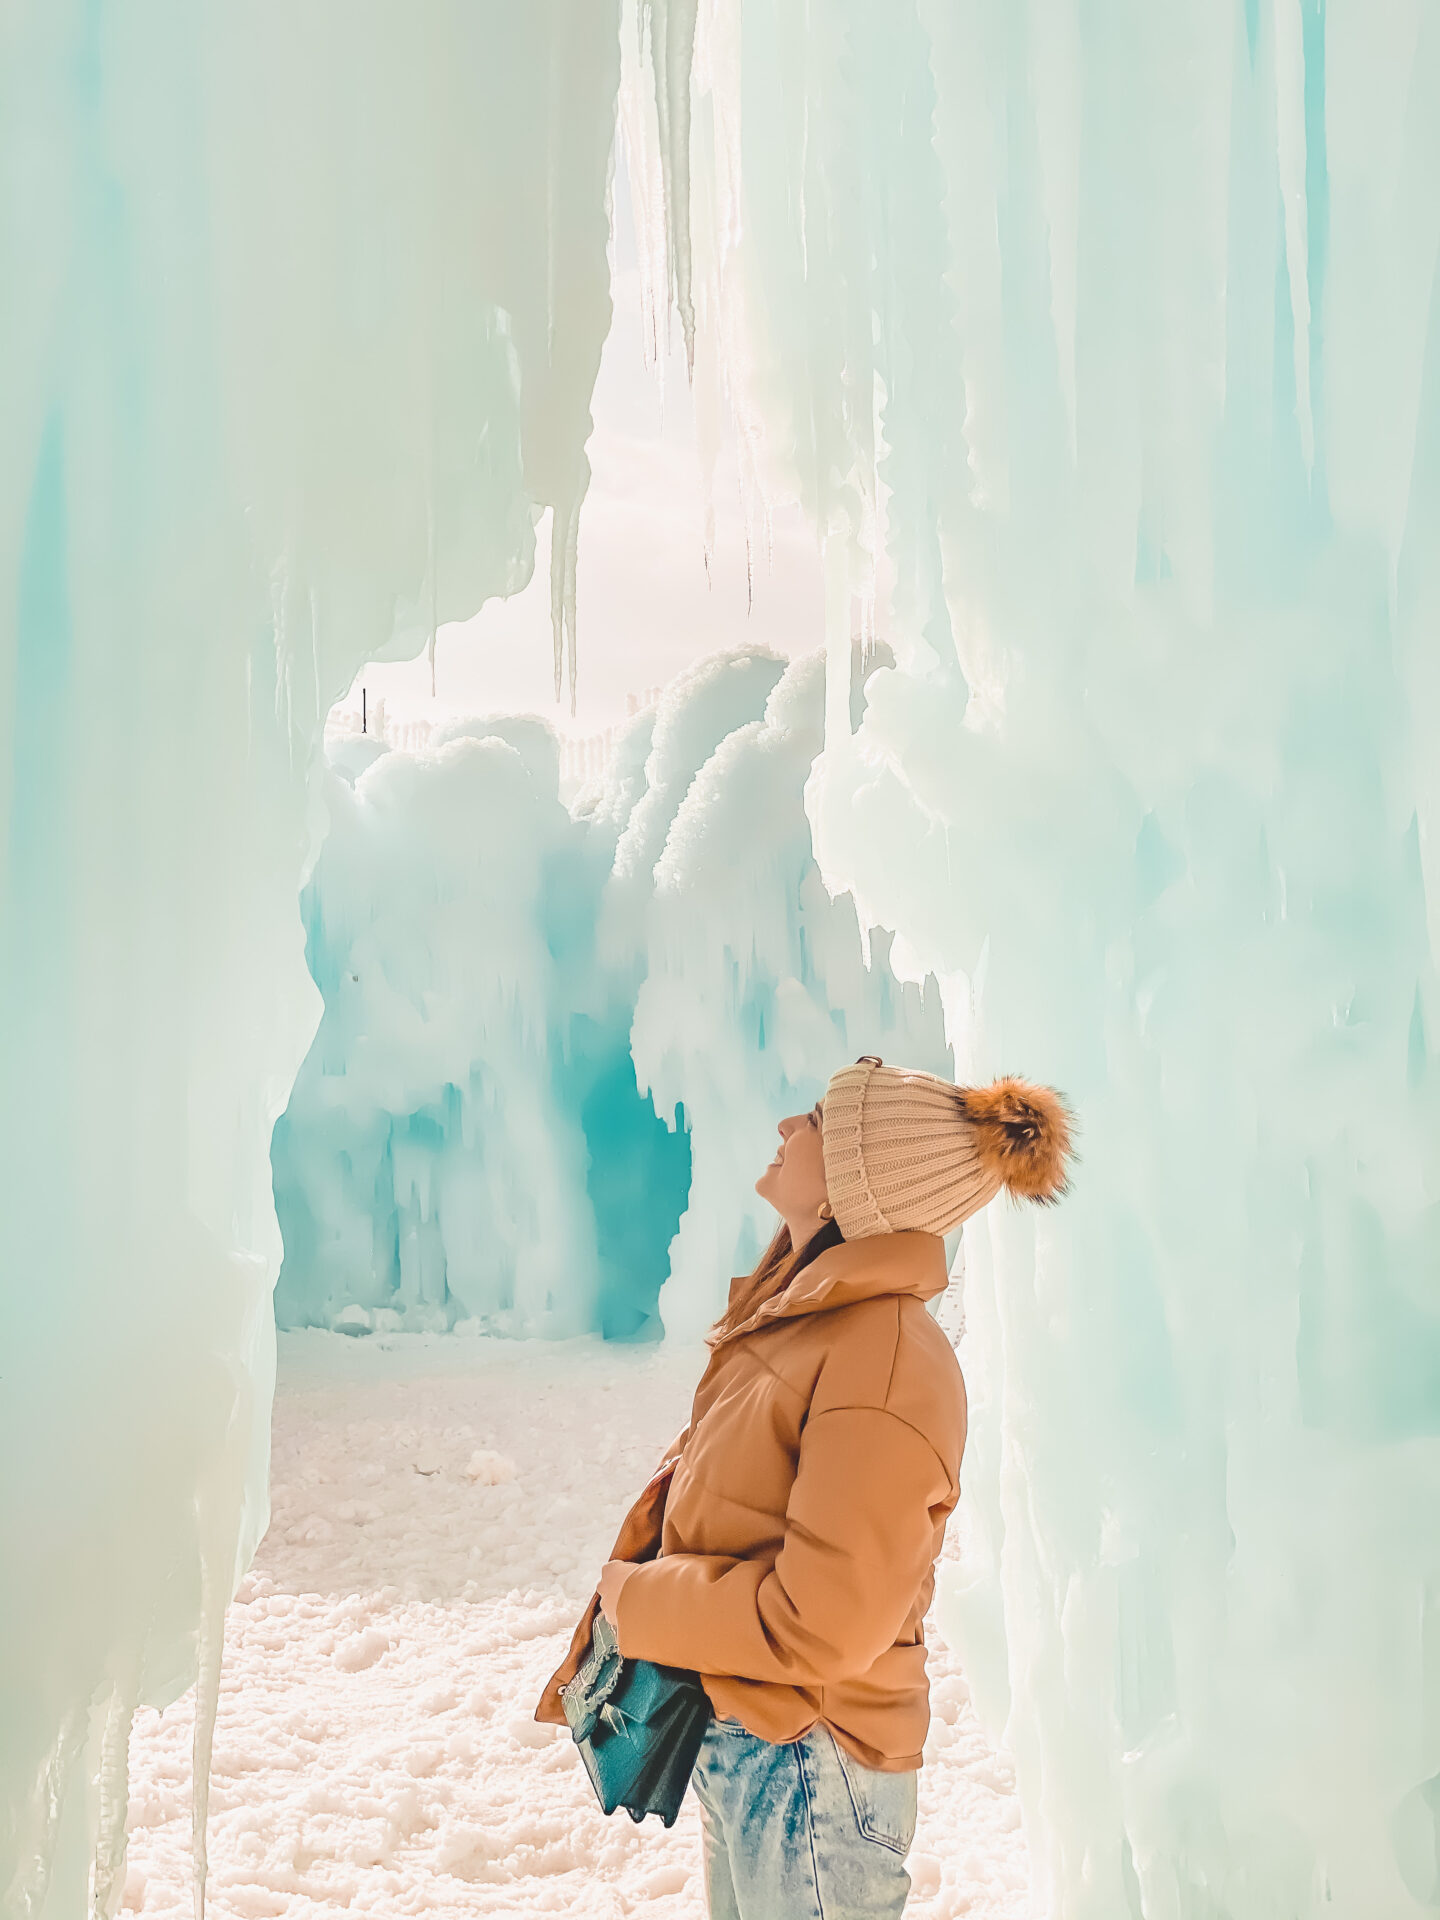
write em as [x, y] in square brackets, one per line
[779, 1265]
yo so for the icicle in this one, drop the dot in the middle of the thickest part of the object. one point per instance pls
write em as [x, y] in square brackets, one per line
[639, 143]
[672, 52]
[1290, 146]
[557, 595]
[708, 400]
[564, 569]
[434, 597]
[108, 1882]
[32, 1881]
[837, 639]
[572, 571]
[214, 1597]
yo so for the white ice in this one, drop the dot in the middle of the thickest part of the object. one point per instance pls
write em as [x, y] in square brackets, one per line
[1104, 343]
[302, 314]
[554, 1036]
[756, 985]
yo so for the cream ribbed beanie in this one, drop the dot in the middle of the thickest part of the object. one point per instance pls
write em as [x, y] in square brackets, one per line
[909, 1152]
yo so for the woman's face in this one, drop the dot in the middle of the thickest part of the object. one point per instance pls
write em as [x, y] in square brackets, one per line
[794, 1181]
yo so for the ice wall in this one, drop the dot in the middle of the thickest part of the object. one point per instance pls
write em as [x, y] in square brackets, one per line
[1117, 329]
[466, 1143]
[425, 1165]
[302, 311]
[757, 986]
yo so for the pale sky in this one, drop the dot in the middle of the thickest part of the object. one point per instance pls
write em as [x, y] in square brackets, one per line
[646, 609]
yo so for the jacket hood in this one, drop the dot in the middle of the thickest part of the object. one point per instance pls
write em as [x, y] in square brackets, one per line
[881, 1263]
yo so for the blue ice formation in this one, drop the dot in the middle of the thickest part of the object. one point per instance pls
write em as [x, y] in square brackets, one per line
[466, 1142]
[757, 985]
[432, 1163]
[1117, 331]
[302, 314]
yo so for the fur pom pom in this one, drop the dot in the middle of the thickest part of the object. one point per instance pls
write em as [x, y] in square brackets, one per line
[1023, 1135]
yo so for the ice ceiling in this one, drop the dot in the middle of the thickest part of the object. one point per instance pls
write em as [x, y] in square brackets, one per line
[1116, 326]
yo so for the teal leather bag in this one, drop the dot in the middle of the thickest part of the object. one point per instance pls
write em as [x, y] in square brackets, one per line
[638, 1726]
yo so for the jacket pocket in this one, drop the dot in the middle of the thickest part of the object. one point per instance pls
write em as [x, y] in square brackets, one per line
[884, 1803]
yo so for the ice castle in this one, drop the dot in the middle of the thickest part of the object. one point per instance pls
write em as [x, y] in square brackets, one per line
[1112, 333]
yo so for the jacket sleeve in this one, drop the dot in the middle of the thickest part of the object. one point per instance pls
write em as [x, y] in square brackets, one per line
[859, 1543]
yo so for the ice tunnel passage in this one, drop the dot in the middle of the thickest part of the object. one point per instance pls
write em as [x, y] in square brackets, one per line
[1115, 334]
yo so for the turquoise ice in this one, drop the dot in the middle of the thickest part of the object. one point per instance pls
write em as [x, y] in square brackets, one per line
[302, 312]
[1114, 330]
[472, 1141]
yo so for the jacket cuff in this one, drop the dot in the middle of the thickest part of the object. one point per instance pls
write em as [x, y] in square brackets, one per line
[629, 1618]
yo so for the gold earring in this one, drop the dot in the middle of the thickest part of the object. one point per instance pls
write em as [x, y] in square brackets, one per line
[827, 1212]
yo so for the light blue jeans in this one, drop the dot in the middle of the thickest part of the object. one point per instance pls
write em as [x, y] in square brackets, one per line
[801, 1831]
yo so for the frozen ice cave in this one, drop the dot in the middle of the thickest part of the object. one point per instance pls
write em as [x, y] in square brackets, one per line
[1102, 343]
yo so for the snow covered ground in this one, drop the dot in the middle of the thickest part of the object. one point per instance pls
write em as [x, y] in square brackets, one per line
[441, 1506]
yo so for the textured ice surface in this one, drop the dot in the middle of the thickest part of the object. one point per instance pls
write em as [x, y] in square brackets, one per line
[756, 987]
[466, 1142]
[302, 311]
[1119, 329]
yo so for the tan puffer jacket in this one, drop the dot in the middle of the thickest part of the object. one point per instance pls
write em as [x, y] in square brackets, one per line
[807, 1507]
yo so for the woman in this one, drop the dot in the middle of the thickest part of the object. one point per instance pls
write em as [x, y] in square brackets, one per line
[804, 1505]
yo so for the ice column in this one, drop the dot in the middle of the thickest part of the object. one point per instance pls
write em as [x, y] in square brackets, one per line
[1126, 322]
[302, 312]
[465, 1143]
[428, 1165]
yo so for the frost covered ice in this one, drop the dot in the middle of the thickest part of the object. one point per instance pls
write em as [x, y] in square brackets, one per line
[1117, 334]
[467, 1084]
[757, 985]
[1106, 348]
[302, 316]
[466, 1142]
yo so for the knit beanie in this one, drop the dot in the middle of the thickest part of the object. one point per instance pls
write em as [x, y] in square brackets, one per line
[909, 1152]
